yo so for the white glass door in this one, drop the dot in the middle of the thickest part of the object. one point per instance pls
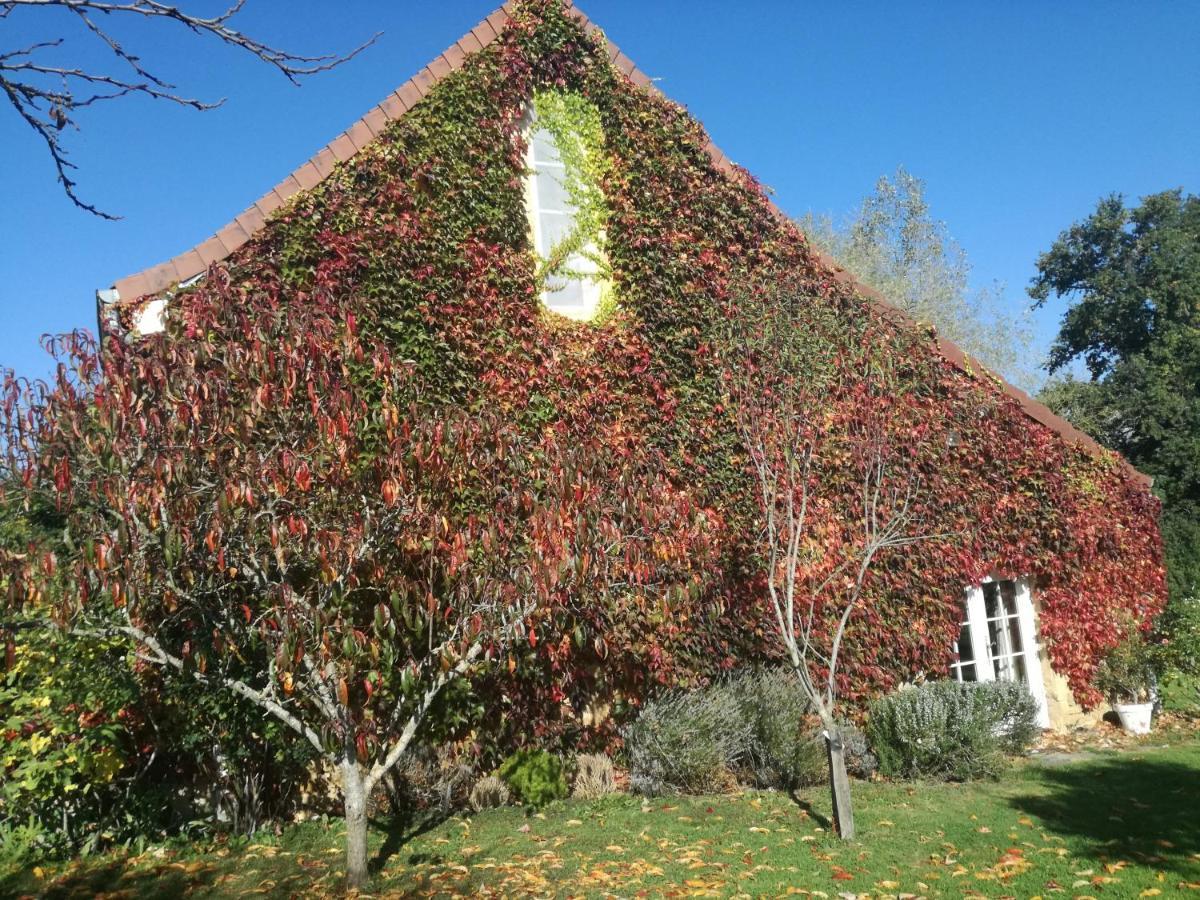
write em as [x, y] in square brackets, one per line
[998, 639]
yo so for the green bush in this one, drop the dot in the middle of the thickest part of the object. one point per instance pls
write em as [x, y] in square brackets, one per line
[952, 731]
[1178, 636]
[535, 776]
[685, 741]
[755, 725]
[1127, 674]
[782, 747]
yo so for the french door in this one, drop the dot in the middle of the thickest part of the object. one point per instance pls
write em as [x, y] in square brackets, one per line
[998, 640]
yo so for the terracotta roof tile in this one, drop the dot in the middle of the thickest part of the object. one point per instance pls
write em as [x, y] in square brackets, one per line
[324, 162]
[469, 43]
[360, 134]
[308, 176]
[211, 251]
[287, 188]
[484, 33]
[251, 219]
[187, 265]
[342, 147]
[268, 203]
[232, 236]
[408, 93]
[640, 78]
[423, 81]
[393, 107]
[439, 69]
[498, 20]
[376, 120]
[454, 56]
[133, 287]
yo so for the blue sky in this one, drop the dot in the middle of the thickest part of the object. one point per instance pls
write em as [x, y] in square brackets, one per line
[1018, 115]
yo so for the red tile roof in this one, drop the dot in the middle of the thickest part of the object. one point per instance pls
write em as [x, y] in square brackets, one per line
[244, 226]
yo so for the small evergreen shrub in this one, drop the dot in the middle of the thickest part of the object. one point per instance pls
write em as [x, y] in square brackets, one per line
[783, 748]
[1127, 674]
[488, 793]
[861, 761]
[684, 741]
[952, 731]
[593, 776]
[535, 776]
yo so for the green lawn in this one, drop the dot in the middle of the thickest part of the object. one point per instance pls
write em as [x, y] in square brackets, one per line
[1117, 825]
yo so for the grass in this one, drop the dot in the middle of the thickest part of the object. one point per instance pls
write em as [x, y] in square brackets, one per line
[1112, 825]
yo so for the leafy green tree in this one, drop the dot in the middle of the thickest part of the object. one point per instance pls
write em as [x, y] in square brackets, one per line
[1131, 276]
[893, 244]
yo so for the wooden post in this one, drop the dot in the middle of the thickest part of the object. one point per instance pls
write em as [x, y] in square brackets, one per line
[839, 784]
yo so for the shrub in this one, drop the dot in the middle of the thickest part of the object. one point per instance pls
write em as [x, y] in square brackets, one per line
[1127, 672]
[685, 741]
[782, 747]
[952, 731]
[1178, 635]
[861, 762]
[755, 725]
[488, 793]
[535, 776]
[593, 776]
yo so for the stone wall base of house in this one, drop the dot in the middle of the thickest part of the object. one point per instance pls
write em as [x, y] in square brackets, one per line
[1064, 711]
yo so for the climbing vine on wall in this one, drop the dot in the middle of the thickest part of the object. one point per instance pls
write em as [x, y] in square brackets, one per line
[426, 232]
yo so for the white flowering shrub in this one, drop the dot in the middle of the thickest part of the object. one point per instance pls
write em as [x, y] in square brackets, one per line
[952, 731]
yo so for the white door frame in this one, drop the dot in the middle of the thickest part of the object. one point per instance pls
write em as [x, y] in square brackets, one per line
[985, 669]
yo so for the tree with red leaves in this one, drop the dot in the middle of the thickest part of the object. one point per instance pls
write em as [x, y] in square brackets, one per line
[260, 500]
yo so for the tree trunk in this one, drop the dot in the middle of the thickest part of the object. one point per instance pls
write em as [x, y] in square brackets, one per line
[355, 801]
[839, 783]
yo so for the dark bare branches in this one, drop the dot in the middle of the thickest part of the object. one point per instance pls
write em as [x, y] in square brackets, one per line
[48, 96]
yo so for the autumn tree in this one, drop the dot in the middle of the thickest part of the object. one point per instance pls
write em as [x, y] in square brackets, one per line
[815, 408]
[893, 243]
[260, 501]
[47, 87]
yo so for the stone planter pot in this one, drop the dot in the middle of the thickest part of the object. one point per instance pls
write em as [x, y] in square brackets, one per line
[1135, 717]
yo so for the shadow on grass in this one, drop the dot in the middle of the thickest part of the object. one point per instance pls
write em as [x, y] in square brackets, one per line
[399, 830]
[808, 808]
[1124, 807]
[118, 875]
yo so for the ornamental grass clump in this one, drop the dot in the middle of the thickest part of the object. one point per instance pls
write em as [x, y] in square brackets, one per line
[594, 776]
[952, 731]
[488, 793]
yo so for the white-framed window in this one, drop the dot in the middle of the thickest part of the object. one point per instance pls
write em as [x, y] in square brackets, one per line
[998, 639]
[573, 278]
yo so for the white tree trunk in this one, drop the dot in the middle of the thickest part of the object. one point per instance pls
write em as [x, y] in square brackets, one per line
[354, 794]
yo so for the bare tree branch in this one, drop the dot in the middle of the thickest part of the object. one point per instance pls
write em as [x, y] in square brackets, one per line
[47, 97]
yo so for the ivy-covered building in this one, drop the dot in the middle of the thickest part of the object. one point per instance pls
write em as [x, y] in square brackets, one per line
[533, 224]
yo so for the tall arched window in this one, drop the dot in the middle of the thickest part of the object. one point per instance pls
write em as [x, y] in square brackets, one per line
[567, 212]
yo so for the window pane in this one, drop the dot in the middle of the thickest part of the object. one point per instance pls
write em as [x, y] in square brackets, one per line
[555, 227]
[552, 191]
[1008, 591]
[544, 148]
[966, 651]
[967, 673]
[561, 294]
[1013, 628]
[991, 599]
